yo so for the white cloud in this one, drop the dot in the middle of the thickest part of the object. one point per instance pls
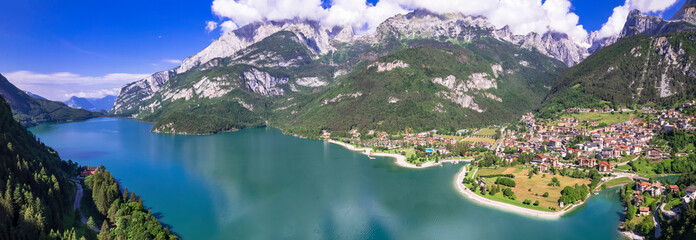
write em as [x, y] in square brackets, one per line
[99, 93]
[57, 86]
[210, 26]
[228, 26]
[616, 21]
[172, 61]
[523, 16]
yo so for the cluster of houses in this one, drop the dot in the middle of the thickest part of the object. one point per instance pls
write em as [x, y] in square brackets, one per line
[435, 144]
[615, 141]
[656, 189]
[554, 140]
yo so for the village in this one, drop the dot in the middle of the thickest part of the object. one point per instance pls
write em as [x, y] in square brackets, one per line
[532, 163]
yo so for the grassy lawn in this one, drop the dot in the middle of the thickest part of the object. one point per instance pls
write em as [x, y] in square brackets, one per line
[607, 118]
[500, 198]
[538, 185]
[624, 167]
[479, 139]
[470, 173]
[487, 132]
[409, 151]
[618, 181]
[674, 202]
[636, 220]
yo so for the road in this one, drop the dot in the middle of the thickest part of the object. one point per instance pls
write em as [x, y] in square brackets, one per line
[658, 231]
[624, 163]
[78, 195]
[668, 212]
[78, 199]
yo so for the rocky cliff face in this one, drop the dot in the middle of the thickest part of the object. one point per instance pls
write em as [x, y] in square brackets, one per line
[637, 23]
[248, 69]
[134, 93]
[686, 13]
[309, 33]
[417, 24]
[455, 26]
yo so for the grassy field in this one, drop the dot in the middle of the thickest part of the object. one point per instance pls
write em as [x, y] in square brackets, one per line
[538, 185]
[500, 198]
[674, 202]
[607, 118]
[618, 181]
[409, 151]
[487, 132]
[479, 139]
[644, 167]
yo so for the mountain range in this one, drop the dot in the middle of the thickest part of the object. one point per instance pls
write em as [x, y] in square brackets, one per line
[418, 70]
[29, 110]
[103, 104]
[650, 64]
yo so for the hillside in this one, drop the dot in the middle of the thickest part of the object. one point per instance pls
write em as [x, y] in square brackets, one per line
[35, 194]
[281, 78]
[638, 70]
[30, 111]
[427, 85]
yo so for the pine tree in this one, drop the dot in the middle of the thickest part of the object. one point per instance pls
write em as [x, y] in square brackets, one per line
[104, 233]
[90, 223]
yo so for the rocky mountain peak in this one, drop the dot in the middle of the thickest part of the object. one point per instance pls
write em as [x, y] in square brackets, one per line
[686, 13]
[638, 23]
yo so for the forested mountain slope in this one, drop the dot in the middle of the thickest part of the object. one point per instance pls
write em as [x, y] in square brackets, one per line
[486, 75]
[31, 111]
[638, 70]
[35, 194]
[427, 85]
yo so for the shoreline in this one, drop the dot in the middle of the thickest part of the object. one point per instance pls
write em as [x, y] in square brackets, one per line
[505, 206]
[400, 159]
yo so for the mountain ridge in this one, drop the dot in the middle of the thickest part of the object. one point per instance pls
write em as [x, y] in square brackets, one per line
[30, 111]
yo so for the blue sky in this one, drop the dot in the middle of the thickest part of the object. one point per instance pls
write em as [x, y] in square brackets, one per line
[88, 40]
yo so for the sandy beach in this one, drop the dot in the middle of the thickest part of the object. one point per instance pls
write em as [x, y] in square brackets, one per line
[504, 206]
[400, 159]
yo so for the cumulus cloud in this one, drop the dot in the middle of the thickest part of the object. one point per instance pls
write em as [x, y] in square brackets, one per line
[99, 93]
[210, 26]
[523, 16]
[228, 26]
[60, 86]
[616, 21]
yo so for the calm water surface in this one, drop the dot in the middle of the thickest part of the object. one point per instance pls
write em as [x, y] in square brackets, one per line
[261, 184]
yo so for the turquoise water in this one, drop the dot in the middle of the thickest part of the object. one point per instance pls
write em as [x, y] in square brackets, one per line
[261, 184]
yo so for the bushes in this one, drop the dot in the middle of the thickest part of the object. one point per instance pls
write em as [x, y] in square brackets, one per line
[554, 182]
[505, 182]
[573, 194]
[508, 193]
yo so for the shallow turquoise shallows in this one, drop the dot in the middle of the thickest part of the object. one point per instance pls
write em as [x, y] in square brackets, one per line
[261, 184]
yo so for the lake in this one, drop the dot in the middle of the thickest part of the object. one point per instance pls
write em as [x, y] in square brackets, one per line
[261, 184]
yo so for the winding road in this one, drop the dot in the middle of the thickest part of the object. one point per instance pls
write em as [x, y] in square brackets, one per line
[78, 199]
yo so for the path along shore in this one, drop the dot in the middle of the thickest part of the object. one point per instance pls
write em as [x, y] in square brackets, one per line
[400, 159]
[505, 206]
